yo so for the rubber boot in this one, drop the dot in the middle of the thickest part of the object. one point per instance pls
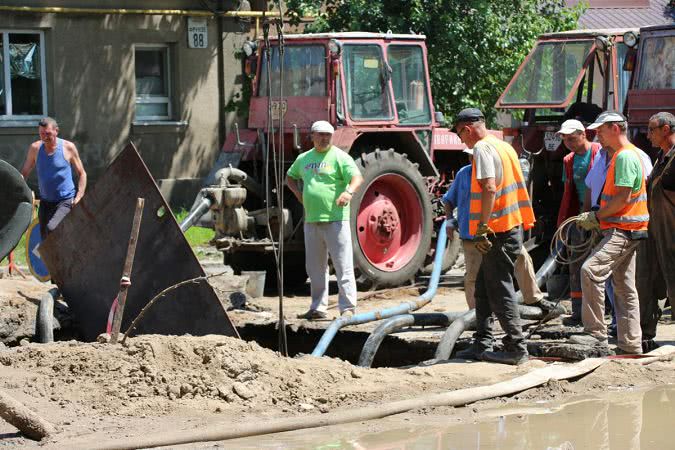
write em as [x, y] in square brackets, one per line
[575, 319]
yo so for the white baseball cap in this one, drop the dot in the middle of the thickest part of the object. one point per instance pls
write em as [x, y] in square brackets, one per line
[468, 151]
[607, 117]
[321, 126]
[571, 126]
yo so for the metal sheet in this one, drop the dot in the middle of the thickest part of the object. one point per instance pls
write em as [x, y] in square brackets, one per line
[85, 256]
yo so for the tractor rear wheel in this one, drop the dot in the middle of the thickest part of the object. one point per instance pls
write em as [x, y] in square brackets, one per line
[390, 220]
[449, 257]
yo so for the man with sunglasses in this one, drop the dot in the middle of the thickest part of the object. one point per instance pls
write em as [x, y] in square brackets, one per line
[55, 159]
[658, 271]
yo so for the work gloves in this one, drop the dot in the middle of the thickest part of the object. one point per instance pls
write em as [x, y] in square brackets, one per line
[481, 239]
[588, 221]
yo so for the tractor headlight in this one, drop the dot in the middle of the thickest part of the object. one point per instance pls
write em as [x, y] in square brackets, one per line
[602, 42]
[630, 38]
[249, 48]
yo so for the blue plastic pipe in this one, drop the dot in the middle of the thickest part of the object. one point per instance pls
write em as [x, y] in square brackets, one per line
[403, 308]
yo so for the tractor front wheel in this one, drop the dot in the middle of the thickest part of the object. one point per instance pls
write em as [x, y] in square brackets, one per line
[390, 220]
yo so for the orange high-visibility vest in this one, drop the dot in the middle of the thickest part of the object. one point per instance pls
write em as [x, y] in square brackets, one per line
[634, 216]
[512, 203]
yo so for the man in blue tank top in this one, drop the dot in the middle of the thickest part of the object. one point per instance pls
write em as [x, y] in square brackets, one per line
[55, 158]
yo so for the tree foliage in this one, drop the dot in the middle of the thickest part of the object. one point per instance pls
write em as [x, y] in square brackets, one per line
[474, 46]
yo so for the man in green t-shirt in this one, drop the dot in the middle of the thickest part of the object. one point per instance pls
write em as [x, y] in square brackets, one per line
[622, 220]
[329, 179]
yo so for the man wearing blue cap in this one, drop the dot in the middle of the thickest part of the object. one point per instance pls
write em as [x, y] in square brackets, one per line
[329, 179]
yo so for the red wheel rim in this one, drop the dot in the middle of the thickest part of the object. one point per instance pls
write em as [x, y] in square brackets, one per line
[389, 222]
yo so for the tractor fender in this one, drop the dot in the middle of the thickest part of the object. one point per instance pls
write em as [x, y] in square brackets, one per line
[402, 141]
[344, 137]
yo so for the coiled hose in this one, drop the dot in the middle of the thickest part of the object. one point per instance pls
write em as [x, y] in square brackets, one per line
[562, 235]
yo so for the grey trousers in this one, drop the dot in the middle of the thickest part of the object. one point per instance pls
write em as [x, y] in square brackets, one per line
[50, 215]
[334, 239]
[495, 293]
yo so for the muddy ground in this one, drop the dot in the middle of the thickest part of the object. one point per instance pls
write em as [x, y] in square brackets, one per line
[152, 384]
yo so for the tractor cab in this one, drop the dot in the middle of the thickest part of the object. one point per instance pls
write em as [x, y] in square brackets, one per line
[350, 79]
[567, 75]
[653, 88]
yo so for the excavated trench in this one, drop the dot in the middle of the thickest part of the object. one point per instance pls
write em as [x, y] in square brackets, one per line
[398, 352]
[347, 345]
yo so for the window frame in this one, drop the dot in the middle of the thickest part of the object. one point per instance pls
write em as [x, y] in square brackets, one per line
[4, 35]
[387, 92]
[502, 102]
[425, 80]
[155, 99]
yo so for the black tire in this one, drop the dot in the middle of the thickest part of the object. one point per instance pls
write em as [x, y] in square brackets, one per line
[16, 208]
[295, 275]
[373, 166]
[452, 247]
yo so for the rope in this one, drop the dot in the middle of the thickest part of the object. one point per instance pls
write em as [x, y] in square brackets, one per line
[563, 252]
[283, 343]
[277, 172]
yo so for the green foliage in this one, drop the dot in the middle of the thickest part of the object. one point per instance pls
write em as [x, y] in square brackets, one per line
[240, 101]
[474, 46]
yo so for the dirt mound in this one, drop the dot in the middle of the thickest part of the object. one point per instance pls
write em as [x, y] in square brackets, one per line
[18, 308]
[167, 372]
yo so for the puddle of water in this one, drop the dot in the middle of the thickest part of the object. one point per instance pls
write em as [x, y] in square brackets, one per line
[634, 420]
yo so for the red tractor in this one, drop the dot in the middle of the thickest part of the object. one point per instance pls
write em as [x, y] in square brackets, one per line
[653, 87]
[374, 88]
[567, 75]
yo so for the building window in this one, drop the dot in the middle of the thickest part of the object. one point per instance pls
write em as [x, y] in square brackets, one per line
[22, 76]
[153, 84]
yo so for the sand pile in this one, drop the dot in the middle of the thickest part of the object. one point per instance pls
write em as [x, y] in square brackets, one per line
[164, 373]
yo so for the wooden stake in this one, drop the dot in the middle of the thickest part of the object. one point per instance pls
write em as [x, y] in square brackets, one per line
[126, 273]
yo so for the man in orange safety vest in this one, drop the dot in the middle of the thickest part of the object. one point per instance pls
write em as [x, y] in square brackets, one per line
[622, 219]
[499, 211]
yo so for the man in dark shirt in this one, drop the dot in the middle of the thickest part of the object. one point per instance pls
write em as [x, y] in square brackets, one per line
[661, 240]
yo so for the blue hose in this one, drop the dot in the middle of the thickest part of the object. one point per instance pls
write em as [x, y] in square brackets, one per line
[403, 308]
